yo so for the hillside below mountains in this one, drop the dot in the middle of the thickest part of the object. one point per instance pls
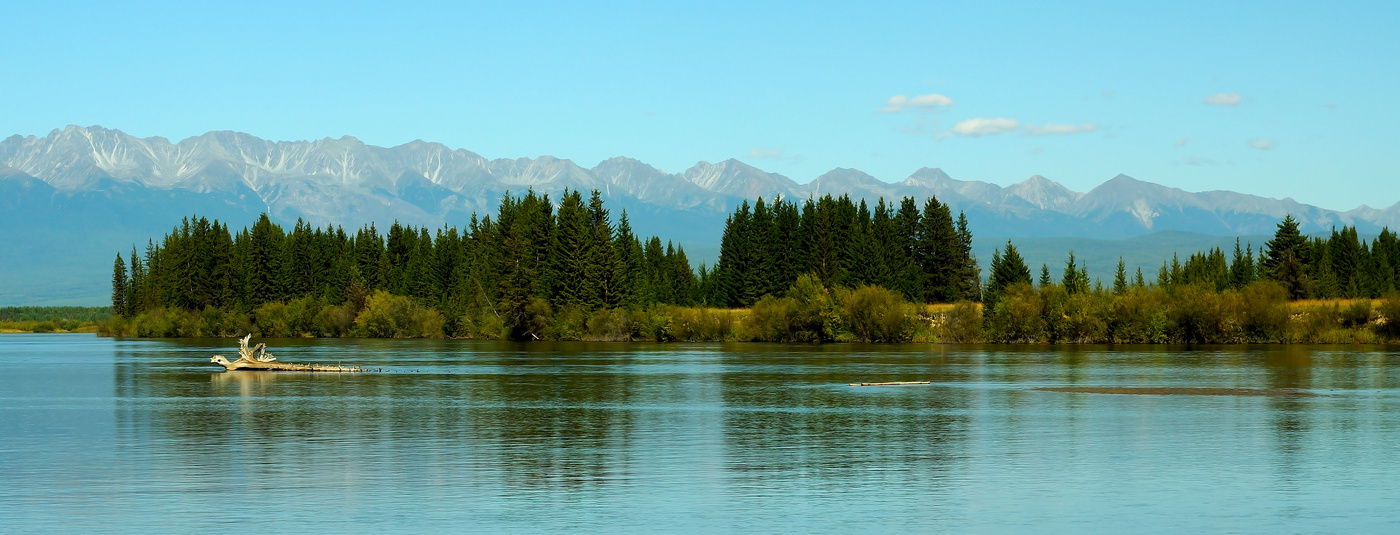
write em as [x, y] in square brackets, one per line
[71, 200]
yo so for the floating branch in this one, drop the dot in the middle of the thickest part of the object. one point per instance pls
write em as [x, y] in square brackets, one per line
[257, 358]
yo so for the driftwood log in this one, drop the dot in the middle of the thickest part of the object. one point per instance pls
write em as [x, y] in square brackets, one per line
[258, 358]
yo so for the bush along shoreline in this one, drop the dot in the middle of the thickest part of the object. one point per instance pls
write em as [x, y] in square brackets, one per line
[809, 312]
[825, 270]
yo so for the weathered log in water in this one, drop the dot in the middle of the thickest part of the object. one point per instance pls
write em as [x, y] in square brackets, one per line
[1177, 391]
[258, 358]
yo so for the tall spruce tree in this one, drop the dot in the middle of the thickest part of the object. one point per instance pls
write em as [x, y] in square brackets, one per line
[907, 273]
[969, 275]
[734, 260]
[627, 270]
[120, 288]
[1288, 240]
[264, 262]
[1120, 278]
[1075, 279]
[937, 253]
[602, 261]
[1007, 269]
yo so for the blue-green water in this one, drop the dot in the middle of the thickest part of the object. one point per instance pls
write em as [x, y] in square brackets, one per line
[101, 435]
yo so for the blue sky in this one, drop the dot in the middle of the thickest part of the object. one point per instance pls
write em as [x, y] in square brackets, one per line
[1278, 99]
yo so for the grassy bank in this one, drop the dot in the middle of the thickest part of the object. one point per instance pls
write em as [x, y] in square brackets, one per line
[809, 312]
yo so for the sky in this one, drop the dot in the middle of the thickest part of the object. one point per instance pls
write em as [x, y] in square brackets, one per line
[1280, 99]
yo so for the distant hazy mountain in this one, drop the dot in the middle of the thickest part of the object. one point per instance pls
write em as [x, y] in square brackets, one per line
[116, 189]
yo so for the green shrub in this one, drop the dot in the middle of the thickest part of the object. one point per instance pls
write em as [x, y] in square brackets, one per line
[814, 318]
[1197, 314]
[962, 324]
[335, 320]
[770, 320]
[806, 315]
[1138, 317]
[394, 316]
[482, 324]
[1359, 314]
[659, 324]
[878, 315]
[701, 324]
[1016, 317]
[1265, 314]
[1388, 320]
[1084, 318]
[1316, 324]
[569, 322]
[610, 325]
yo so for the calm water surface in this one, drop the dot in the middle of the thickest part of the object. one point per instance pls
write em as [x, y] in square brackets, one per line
[100, 435]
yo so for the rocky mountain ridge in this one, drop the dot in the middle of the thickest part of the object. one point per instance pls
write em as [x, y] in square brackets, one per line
[72, 199]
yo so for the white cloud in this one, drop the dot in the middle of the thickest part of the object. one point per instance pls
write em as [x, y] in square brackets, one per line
[985, 127]
[1263, 144]
[764, 152]
[929, 102]
[1224, 99]
[1181, 142]
[1052, 129]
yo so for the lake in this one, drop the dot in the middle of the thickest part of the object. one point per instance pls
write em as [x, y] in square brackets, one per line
[103, 435]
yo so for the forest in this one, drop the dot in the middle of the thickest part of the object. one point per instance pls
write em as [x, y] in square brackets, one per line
[824, 269]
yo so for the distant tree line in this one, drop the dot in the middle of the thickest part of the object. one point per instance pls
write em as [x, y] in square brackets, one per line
[50, 313]
[923, 255]
[823, 269]
[1337, 266]
[531, 254]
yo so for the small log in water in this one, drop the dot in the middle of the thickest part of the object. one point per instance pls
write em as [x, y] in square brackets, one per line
[893, 383]
[1176, 391]
[261, 360]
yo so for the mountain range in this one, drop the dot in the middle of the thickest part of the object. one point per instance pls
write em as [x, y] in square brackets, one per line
[72, 199]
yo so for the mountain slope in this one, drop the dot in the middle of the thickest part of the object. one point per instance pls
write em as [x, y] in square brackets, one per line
[103, 182]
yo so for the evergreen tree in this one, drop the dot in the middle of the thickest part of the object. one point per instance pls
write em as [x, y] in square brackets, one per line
[1120, 278]
[224, 283]
[825, 227]
[734, 260]
[1241, 267]
[369, 246]
[882, 235]
[1346, 258]
[525, 229]
[264, 262]
[1006, 270]
[1288, 240]
[969, 276]
[628, 267]
[602, 258]
[907, 274]
[681, 277]
[761, 275]
[1291, 273]
[119, 288]
[1045, 280]
[1075, 280]
[864, 249]
[937, 253]
[134, 295]
[785, 248]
